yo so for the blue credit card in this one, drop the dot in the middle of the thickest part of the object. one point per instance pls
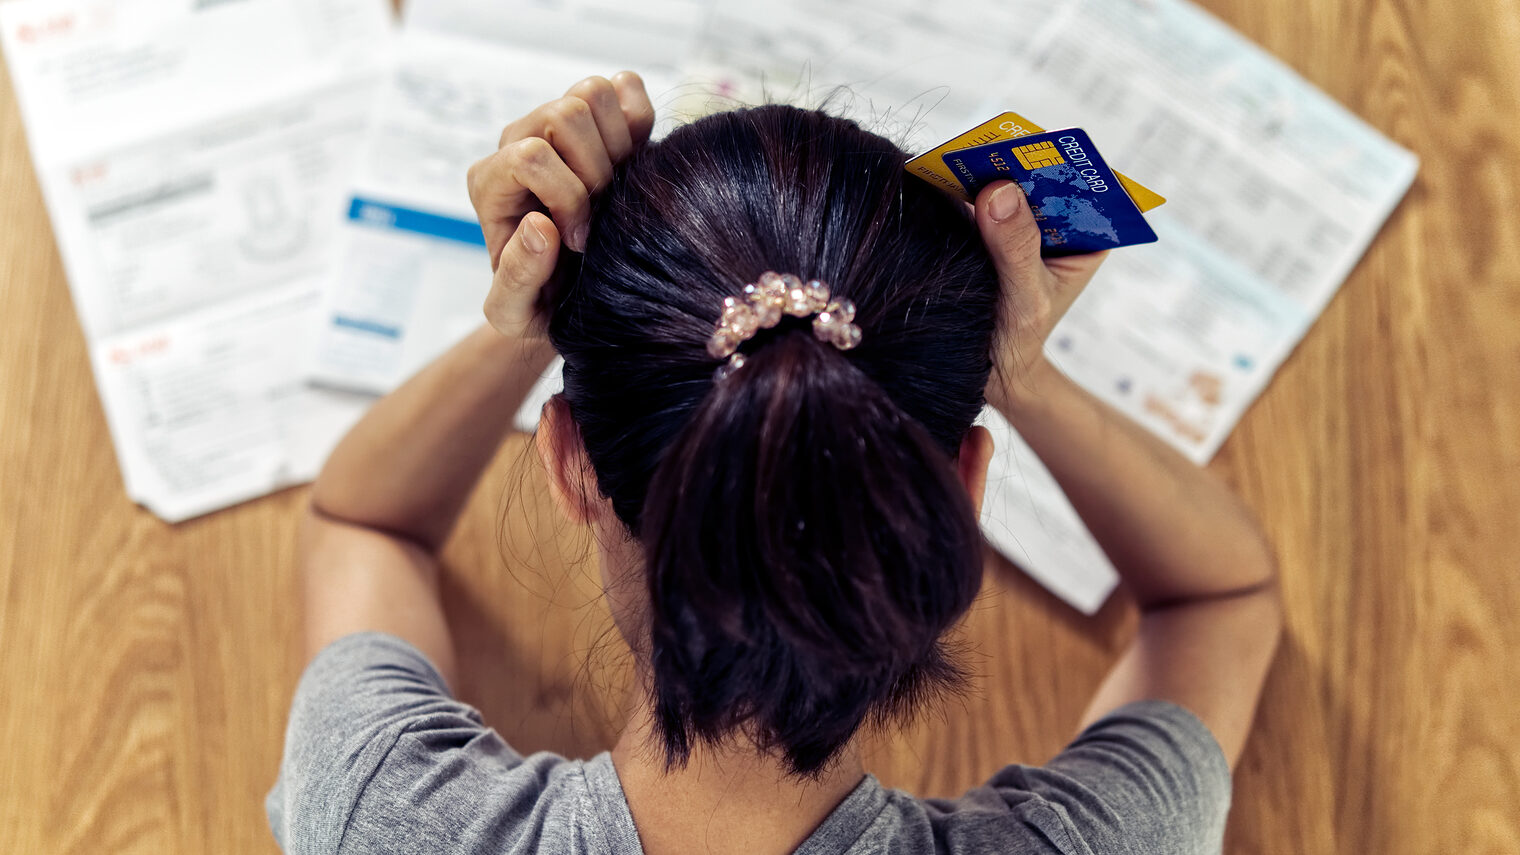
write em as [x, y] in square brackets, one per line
[1077, 201]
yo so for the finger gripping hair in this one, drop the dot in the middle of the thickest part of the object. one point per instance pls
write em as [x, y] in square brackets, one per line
[807, 541]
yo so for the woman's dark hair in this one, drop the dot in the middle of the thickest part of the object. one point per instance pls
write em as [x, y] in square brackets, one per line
[808, 543]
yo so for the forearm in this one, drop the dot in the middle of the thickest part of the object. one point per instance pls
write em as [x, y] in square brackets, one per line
[1187, 549]
[409, 465]
[1173, 531]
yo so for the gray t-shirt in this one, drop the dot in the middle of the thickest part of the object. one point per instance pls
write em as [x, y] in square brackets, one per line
[379, 757]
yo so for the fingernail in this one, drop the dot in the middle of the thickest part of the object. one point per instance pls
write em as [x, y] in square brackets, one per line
[578, 237]
[533, 239]
[1005, 202]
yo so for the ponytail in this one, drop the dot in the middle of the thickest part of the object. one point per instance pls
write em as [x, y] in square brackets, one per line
[807, 540]
[807, 546]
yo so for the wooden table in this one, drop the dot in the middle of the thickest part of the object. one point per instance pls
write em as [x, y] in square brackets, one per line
[145, 669]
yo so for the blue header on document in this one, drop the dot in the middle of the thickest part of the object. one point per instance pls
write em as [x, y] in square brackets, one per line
[369, 212]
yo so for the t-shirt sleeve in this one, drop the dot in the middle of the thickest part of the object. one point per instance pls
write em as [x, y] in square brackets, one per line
[1146, 778]
[358, 698]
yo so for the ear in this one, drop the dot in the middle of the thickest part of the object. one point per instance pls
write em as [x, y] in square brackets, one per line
[564, 458]
[972, 461]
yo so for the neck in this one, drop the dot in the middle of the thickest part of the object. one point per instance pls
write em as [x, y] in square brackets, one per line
[726, 799]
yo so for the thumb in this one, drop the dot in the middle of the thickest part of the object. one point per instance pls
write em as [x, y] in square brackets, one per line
[1009, 230]
[526, 263]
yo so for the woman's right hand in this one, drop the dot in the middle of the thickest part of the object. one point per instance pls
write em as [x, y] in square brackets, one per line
[1037, 291]
[537, 188]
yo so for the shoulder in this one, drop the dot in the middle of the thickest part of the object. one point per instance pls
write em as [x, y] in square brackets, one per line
[379, 756]
[1147, 778]
[883, 821]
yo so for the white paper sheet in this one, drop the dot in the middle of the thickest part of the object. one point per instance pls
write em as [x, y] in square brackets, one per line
[1274, 193]
[414, 271]
[914, 72]
[1027, 517]
[193, 157]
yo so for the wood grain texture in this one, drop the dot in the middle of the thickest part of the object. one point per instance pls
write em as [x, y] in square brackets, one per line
[145, 669]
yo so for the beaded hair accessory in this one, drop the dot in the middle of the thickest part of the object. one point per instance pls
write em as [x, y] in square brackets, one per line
[761, 307]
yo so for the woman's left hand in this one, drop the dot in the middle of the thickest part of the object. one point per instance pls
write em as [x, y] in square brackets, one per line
[555, 158]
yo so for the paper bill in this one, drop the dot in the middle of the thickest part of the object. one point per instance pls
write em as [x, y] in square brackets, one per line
[193, 158]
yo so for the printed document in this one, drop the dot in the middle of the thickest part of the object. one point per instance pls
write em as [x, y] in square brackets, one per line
[413, 270]
[1274, 192]
[193, 157]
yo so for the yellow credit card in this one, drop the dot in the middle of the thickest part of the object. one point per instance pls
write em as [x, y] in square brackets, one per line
[931, 167]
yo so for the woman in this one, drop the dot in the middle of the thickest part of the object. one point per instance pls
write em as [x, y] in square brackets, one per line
[784, 489]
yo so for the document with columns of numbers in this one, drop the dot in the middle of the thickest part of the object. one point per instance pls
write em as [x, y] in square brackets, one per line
[193, 157]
